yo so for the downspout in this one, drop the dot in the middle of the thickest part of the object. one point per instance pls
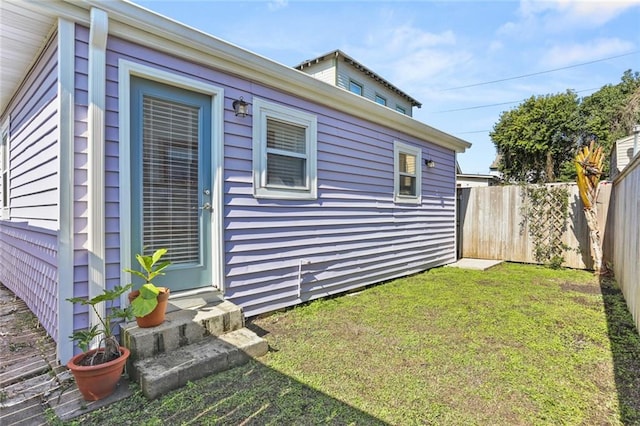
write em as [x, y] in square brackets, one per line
[636, 131]
[66, 89]
[96, 139]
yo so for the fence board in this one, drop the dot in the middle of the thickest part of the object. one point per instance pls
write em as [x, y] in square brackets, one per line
[622, 236]
[492, 225]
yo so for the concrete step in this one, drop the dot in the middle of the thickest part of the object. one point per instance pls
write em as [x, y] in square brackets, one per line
[188, 321]
[173, 369]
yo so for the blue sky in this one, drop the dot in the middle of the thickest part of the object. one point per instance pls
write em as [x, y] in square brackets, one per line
[431, 50]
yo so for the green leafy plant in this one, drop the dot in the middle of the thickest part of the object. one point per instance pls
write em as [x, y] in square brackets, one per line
[104, 328]
[152, 267]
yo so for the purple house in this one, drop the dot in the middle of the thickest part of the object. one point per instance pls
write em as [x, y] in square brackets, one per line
[119, 132]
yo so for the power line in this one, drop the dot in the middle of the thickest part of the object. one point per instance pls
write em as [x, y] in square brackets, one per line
[498, 104]
[540, 72]
[474, 131]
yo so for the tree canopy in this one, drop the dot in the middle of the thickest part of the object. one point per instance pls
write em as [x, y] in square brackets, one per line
[538, 139]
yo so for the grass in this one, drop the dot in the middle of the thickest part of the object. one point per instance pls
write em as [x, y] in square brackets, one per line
[513, 345]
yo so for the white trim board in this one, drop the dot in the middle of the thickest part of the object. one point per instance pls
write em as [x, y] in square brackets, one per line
[126, 69]
[66, 99]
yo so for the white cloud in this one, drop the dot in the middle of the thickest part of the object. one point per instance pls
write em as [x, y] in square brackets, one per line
[274, 5]
[554, 16]
[409, 56]
[562, 55]
[496, 46]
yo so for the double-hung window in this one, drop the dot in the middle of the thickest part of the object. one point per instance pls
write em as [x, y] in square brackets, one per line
[407, 174]
[381, 100]
[4, 171]
[284, 152]
[355, 88]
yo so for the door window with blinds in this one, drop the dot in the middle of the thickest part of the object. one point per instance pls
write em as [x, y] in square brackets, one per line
[407, 173]
[170, 156]
[284, 152]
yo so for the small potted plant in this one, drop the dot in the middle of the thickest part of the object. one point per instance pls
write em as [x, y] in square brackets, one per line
[97, 371]
[149, 303]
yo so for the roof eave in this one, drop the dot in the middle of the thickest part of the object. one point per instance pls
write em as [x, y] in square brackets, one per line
[135, 23]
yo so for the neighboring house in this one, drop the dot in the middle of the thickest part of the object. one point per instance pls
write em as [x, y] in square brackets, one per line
[118, 133]
[622, 154]
[341, 70]
[468, 180]
[494, 168]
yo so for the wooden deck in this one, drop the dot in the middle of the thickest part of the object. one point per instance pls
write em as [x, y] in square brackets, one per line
[31, 379]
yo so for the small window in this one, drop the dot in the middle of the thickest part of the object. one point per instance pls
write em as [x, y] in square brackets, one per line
[401, 109]
[407, 173]
[4, 172]
[380, 100]
[355, 87]
[284, 152]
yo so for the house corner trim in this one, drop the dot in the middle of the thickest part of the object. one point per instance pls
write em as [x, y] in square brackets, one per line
[66, 98]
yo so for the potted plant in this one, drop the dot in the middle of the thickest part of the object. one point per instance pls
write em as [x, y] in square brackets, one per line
[149, 303]
[97, 371]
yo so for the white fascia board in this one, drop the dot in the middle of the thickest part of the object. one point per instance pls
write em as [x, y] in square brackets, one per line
[135, 23]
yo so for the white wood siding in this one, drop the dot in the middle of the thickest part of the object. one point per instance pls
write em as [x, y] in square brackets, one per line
[371, 87]
[325, 71]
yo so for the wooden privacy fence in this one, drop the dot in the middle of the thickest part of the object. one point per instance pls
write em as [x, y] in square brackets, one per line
[492, 224]
[622, 235]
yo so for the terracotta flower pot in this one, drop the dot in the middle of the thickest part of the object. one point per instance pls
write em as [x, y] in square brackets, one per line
[97, 381]
[156, 317]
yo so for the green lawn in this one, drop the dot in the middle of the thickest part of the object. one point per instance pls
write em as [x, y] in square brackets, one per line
[513, 345]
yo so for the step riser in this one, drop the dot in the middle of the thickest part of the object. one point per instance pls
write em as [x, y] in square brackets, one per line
[193, 342]
[162, 374]
[181, 328]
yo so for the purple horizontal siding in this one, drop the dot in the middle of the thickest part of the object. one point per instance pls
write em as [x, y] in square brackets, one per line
[352, 235]
[28, 256]
[81, 177]
[29, 238]
[34, 164]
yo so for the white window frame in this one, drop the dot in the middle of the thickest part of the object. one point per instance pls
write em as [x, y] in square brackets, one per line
[262, 110]
[403, 148]
[381, 100]
[4, 171]
[355, 83]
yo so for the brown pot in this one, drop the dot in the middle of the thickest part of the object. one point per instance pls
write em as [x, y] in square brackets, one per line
[97, 381]
[155, 317]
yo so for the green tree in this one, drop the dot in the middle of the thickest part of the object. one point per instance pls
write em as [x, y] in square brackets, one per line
[611, 112]
[538, 137]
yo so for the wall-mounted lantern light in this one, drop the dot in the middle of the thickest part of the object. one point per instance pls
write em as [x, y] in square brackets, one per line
[430, 163]
[240, 107]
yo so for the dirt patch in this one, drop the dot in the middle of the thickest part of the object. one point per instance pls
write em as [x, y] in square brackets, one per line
[580, 288]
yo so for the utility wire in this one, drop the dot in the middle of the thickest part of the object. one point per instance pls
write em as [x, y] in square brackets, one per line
[498, 104]
[474, 131]
[540, 72]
